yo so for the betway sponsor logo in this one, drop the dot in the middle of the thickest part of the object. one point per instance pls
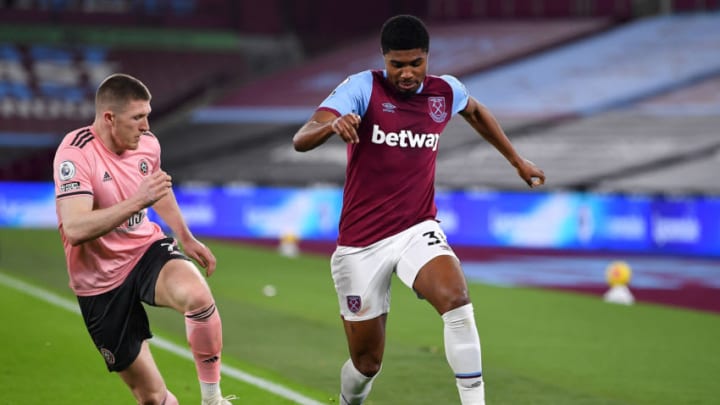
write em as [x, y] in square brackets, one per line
[405, 139]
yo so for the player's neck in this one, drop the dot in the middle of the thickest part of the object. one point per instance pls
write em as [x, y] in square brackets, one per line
[103, 133]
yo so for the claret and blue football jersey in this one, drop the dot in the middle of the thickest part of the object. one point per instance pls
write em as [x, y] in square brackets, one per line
[390, 175]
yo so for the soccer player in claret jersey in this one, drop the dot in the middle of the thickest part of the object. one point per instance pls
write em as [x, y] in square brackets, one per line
[106, 176]
[391, 120]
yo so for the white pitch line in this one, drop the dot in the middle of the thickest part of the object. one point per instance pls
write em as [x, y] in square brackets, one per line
[229, 371]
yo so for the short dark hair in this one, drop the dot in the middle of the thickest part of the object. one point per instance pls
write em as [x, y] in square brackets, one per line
[119, 89]
[404, 32]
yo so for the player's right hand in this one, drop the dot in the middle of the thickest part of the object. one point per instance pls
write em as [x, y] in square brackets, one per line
[154, 187]
[346, 127]
[201, 254]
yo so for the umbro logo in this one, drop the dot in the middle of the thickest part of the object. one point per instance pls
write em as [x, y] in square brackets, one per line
[388, 107]
[107, 177]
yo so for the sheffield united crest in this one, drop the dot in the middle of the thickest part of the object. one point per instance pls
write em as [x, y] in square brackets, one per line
[437, 112]
[108, 356]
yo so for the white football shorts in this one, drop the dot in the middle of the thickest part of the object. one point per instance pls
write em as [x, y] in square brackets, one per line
[362, 275]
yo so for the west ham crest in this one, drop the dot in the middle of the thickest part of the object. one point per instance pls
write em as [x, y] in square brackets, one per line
[354, 303]
[437, 108]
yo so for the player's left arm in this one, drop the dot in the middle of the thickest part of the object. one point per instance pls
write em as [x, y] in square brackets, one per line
[485, 124]
[167, 208]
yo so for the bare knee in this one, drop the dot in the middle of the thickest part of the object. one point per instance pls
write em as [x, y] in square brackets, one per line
[458, 301]
[194, 296]
[198, 300]
[366, 341]
[181, 287]
[150, 398]
[442, 283]
[450, 300]
[368, 366]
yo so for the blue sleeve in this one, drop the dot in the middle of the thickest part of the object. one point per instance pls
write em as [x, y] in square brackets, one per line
[460, 93]
[352, 95]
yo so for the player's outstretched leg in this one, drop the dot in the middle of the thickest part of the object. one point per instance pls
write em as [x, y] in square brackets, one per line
[462, 350]
[204, 333]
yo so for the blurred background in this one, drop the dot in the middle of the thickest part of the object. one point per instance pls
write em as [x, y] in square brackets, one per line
[617, 100]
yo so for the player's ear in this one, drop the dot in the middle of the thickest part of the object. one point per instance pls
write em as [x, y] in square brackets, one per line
[108, 117]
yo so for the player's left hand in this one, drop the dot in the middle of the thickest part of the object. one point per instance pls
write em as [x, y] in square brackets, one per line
[533, 176]
[197, 251]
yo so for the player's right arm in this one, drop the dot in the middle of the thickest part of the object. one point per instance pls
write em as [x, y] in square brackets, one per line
[82, 223]
[338, 114]
[322, 125]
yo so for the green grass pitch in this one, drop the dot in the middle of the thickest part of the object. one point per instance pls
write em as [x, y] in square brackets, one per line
[539, 347]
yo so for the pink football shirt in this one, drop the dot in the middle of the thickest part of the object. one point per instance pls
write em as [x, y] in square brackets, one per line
[83, 166]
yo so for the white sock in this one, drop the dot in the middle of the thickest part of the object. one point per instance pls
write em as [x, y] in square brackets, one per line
[208, 390]
[354, 385]
[462, 350]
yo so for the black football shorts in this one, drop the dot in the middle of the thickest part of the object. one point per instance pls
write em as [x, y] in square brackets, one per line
[116, 320]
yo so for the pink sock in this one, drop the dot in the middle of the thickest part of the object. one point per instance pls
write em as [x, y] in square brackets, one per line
[170, 399]
[204, 333]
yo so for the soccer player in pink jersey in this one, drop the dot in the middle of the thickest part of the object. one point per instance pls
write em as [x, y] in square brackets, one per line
[392, 121]
[106, 176]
